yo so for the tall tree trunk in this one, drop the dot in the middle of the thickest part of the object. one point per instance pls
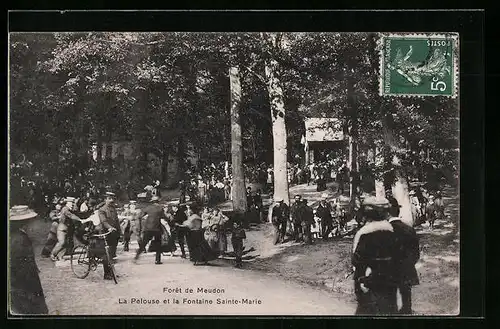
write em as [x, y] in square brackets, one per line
[238, 188]
[353, 140]
[279, 130]
[400, 189]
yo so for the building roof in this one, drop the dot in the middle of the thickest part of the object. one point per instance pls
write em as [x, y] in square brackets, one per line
[323, 129]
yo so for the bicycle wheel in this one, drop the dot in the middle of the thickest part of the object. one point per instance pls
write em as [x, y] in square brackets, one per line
[111, 265]
[80, 261]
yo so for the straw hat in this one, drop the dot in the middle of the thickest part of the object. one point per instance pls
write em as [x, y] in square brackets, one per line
[21, 213]
[69, 199]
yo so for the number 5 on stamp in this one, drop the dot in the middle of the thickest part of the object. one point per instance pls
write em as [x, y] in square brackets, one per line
[424, 64]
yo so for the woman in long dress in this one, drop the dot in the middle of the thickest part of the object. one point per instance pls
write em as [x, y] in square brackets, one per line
[214, 231]
[220, 220]
[200, 251]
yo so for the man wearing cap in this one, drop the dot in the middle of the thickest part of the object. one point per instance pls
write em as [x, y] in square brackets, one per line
[109, 221]
[374, 256]
[324, 212]
[295, 212]
[280, 216]
[407, 255]
[25, 291]
[152, 227]
[65, 229]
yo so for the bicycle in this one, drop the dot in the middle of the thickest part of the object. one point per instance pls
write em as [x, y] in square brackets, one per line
[82, 259]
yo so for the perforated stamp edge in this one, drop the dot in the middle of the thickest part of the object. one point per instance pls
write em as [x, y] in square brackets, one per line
[418, 35]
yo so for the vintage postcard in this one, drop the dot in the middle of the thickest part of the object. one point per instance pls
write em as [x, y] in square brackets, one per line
[174, 174]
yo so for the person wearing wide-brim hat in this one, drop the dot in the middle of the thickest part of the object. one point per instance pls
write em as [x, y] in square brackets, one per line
[25, 291]
[374, 253]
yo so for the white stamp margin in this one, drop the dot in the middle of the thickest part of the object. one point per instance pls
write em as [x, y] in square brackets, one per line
[418, 35]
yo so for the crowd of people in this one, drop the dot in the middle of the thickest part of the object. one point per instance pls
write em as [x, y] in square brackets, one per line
[162, 227]
[384, 249]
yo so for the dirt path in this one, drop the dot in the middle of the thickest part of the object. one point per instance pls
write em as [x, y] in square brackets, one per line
[268, 294]
[288, 279]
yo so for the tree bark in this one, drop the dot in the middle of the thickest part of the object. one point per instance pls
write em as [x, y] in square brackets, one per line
[353, 140]
[277, 103]
[400, 190]
[238, 188]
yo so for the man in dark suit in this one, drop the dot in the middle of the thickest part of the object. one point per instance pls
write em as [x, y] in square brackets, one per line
[324, 212]
[408, 254]
[152, 228]
[295, 211]
[280, 214]
[109, 221]
[249, 198]
[307, 219]
[178, 232]
[257, 201]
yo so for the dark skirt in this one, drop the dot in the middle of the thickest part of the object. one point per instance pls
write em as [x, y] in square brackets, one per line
[216, 240]
[199, 248]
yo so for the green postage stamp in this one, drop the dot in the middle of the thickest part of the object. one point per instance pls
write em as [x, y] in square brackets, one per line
[419, 64]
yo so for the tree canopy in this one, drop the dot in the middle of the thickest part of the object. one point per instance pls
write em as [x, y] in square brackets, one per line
[71, 90]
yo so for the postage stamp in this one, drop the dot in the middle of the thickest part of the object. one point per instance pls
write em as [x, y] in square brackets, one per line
[419, 64]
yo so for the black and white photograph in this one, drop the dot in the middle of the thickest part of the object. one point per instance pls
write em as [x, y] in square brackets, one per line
[234, 173]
